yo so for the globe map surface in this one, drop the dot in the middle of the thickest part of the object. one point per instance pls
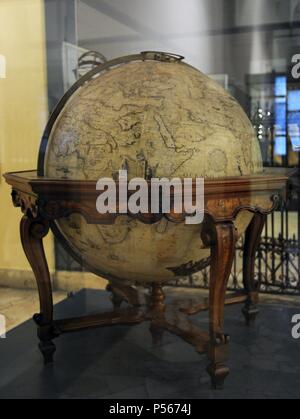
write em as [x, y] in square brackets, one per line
[166, 117]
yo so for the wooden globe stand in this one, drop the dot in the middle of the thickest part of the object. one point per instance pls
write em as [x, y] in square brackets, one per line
[44, 200]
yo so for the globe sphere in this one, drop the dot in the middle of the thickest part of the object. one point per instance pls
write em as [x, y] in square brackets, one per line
[166, 118]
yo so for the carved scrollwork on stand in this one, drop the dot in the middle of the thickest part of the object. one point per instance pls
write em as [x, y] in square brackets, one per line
[44, 201]
[54, 209]
[220, 210]
[27, 203]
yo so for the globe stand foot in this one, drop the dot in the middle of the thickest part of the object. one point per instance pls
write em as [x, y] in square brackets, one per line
[218, 374]
[47, 349]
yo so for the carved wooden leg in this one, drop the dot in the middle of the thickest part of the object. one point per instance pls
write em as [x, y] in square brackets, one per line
[32, 233]
[157, 299]
[221, 237]
[252, 239]
[157, 307]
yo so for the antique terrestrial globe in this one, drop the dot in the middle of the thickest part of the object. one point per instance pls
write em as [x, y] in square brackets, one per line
[148, 113]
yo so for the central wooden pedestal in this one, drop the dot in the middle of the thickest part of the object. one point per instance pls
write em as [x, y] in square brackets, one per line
[44, 200]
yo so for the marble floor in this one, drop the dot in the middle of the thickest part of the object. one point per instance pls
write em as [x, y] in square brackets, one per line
[18, 305]
[122, 362]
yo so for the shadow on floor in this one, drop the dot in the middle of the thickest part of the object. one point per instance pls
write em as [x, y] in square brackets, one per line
[121, 362]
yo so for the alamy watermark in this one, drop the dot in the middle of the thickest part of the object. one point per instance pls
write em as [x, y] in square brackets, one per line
[296, 66]
[2, 327]
[296, 327]
[153, 197]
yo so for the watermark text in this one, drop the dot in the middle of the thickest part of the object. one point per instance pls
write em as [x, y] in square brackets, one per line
[296, 327]
[296, 66]
[159, 195]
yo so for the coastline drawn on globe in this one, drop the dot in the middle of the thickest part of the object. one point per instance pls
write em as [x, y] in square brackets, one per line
[153, 119]
[156, 119]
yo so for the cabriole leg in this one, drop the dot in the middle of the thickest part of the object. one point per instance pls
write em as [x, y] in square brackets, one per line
[157, 308]
[32, 233]
[252, 239]
[222, 239]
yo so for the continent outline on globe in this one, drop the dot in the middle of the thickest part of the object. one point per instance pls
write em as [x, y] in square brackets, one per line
[153, 118]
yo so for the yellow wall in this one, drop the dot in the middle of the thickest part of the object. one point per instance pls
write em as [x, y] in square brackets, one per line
[23, 113]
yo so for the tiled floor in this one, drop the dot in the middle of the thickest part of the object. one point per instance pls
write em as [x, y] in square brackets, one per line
[121, 362]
